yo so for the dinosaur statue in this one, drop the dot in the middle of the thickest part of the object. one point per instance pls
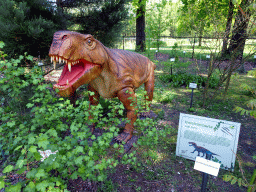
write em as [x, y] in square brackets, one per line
[108, 72]
[201, 150]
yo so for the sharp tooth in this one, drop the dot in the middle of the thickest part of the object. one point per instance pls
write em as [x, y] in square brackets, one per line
[59, 60]
[51, 58]
[54, 64]
[66, 61]
[69, 66]
[67, 82]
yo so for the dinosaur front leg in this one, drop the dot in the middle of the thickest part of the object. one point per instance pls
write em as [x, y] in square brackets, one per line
[193, 151]
[73, 97]
[94, 100]
[128, 98]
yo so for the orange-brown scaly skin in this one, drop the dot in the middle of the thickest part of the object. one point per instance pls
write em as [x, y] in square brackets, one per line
[112, 72]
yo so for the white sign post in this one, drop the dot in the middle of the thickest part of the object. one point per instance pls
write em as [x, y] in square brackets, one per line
[192, 86]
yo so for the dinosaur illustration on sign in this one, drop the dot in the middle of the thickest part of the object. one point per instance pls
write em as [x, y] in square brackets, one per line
[200, 149]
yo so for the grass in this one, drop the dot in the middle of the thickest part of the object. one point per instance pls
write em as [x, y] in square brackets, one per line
[208, 46]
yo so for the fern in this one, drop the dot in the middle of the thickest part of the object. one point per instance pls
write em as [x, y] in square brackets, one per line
[252, 104]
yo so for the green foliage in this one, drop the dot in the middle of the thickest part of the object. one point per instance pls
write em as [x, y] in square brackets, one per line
[28, 26]
[202, 17]
[156, 44]
[45, 122]
[251, 104]
[252, 73]
[157, 22]
[104, 20]
[234, 179]
[180, 79]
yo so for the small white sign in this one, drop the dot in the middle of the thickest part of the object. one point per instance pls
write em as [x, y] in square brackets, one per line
[254, 56]
[156, 51]
[184, 52]
[208, 56]
[192, 85]
[40, 63]
[172, 59]
[207, 166]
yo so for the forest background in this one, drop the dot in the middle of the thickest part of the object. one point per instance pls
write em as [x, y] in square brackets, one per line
[28, 26]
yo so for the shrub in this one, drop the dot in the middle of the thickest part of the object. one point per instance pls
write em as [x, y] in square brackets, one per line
[44, 122]
[183, 79]
[156, 44]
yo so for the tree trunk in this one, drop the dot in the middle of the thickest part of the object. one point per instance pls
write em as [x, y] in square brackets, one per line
[140, 28]
[200, 34]
[228, 27]
[239, 33]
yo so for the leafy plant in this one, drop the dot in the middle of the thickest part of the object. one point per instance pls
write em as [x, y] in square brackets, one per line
[180, 79]
[242, 181]
[250, 91]
[45, 122]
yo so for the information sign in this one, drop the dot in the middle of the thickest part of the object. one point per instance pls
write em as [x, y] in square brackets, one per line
[198, 136]
[208, 56]
[172, 59]
[40, 63]
[192, 85]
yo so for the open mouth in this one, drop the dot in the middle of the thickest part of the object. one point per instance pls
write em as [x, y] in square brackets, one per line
[72, 71]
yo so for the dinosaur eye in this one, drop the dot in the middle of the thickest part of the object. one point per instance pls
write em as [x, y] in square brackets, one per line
[89, 42]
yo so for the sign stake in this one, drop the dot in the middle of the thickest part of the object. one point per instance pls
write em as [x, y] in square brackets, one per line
[205, 175]
[193, 86]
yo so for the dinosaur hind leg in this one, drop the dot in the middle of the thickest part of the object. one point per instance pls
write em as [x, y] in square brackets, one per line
[149, 87]
[128, 98]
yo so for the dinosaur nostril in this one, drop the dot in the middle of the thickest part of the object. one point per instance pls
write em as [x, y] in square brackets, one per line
[64, 37]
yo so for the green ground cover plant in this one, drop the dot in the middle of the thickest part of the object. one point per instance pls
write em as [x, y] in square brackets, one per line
[33, 118]
[183, 79]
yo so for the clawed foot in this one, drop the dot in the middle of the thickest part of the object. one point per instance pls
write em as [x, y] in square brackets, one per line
[124, 136]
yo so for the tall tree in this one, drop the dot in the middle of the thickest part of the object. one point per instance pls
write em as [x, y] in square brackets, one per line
[202, 17]
[103, 19]
[239, 32]
[158, 20]
[28, 26]
[140, 25]
[228, 27]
